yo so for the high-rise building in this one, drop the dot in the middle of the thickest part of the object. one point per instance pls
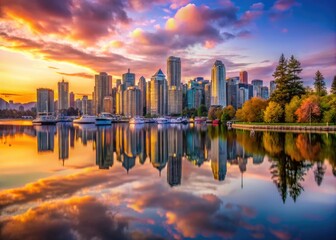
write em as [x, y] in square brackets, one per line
[108, 104]
[218, 85]
[194, 96]
[132, 97]
[264, 92]
[174, 71]
[207, 95]
[272, 87]
[63, 95]
[85, 107]
[243, 77]
[142, 86]
[174, 100]
[257, 84]
[120, 99]
[103, 88]
[157, 99]
[78, 104]
[72, 99]
[128, 79]
[45, 100]
[233, 91]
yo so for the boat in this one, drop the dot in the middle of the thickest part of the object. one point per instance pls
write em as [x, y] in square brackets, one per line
[101, 120]
[86, 119]
[44, 119]
[162, 120]
[200, 120]
[136, 120]
[179, 120]
[215, 122]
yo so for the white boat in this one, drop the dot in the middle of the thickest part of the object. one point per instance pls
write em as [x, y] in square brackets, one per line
[86, 119]
[103, 120]
[136, 120]
[62, 118]
[178, 120]
[162, 120]
[44, 119]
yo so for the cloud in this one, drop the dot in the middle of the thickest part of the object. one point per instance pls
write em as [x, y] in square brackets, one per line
[79, 74]
[51, 67]
[85, 21]
[284, 5]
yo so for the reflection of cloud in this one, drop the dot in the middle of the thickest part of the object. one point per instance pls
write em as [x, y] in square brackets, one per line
[191, 214]
[75, 218]
[55, 187]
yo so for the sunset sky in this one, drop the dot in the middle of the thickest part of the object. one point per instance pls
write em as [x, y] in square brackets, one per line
[42, 41]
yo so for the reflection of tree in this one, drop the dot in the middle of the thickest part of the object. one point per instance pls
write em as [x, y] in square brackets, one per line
[287, 174]
[319, 172]
[309, 146]
[273, 142]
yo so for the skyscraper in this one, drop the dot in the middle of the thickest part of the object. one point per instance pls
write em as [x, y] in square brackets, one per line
[218, 85]
[45, 100]
[174, 71]
[233, 91]
[63, 95]
[264, 92]
[108, 104]
[157, 99]
[103, 88]
[257, 84]
[72, 100]
[272, 87]
[142, 86]
[128, 79]
[132, 102]
[174, 100]
[243, 77]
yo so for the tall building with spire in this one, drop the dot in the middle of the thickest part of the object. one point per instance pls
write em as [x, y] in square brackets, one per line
[128, 79]
[102, 89]
[63, 95]
[218, 84]
[142, 85]
[157, 99]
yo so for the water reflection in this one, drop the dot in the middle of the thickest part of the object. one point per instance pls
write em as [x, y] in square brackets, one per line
[200, 196]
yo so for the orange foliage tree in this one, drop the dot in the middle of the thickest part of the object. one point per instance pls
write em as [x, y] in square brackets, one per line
[309, 110]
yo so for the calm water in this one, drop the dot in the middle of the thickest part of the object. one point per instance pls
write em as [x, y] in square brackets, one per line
[177, 182]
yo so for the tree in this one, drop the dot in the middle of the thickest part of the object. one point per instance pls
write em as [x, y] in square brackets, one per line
[296, 85]
[287, 80]
[202, 110]
[228, 113]
[319, 84]
[215, 112]
[252, 110]
[273, 113]
[309, 110]
[290, 109]
[333, 86]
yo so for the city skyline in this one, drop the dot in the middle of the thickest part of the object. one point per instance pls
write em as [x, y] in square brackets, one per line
[248, 36]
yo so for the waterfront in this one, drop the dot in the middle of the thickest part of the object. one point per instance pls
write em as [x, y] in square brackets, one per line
[171, 182]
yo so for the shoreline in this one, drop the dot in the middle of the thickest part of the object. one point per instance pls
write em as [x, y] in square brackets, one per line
[285, 128]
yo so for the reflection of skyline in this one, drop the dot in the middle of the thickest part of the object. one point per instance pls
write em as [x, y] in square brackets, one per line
[45, 138]
[218, 155]
[63, 142]
[104, 147]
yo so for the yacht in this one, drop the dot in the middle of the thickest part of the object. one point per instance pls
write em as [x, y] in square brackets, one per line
[162, 120]
[44, 119]
[62, 118]
[179, 120]
[103, 120]
[86, 119]
[137, 120]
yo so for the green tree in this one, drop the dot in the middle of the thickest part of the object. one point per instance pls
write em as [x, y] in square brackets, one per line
[215, 112]
[273, 113]
[333, 86]
[319, 84]
[296, 85]
[290, 109]
[202, 110]
[288, 81]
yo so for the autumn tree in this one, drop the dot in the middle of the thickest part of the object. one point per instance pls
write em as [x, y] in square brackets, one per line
[309, 110]
[333, 86]
[253, 110]
[273, 113]
[290, 109]
[228, 113]
[215, 112]
[319, 84]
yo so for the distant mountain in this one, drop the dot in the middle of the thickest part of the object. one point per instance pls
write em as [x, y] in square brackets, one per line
[26, 106]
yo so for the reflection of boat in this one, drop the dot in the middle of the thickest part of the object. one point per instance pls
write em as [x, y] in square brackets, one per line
[162, 120]
[215, 122]
[136, 120]
[178, 120]
[149, 120]
[62, 118]
[85, 119]
[45, 119]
